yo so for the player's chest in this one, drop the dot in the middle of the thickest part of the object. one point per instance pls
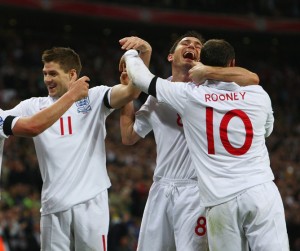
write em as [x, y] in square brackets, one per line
[166, 119]
[76, 123]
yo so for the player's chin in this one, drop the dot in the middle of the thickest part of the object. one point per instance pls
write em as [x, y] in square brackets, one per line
[52, 93]
[189, 64]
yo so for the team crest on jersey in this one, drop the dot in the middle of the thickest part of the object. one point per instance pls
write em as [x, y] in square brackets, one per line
[83, 105]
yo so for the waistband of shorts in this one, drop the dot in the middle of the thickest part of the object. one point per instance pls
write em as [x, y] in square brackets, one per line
[177, 182]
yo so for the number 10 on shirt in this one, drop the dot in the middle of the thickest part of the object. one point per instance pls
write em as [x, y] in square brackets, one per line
[224, 132]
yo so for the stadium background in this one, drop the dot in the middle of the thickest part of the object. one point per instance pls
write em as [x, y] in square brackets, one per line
[265, 34]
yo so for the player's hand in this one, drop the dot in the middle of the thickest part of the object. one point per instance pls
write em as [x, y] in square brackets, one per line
[136, 43]
[79, 88]
[122, 64]
[198, 73]
[124, 79]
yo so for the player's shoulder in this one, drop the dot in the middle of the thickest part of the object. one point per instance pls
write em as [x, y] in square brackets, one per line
[254, 89]
[151, 100]
[33, 101]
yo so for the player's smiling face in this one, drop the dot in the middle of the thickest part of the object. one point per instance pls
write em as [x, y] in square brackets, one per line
[56, 80]
[187, 51]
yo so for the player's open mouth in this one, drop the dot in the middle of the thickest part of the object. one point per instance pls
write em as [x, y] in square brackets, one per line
[52, 86]
[189, 55]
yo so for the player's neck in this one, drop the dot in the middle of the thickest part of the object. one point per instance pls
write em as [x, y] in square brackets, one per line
[180, 77]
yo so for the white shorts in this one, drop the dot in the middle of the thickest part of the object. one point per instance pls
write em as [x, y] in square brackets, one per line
[173, 219]
[83, 227]
[253, 219]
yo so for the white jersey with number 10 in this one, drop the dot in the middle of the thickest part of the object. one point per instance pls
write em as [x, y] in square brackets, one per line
[225, 127]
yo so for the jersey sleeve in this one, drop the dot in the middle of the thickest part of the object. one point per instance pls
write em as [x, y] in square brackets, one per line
[142, 125]
[172, 93]
[4, 115]
[270, 117]
[25, 108]
[102, 96]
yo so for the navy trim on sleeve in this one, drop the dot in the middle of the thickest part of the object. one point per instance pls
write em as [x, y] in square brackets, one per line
[105, 100]
[7, 125]
[152, 87]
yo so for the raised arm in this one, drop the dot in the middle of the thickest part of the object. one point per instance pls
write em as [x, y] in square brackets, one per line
[127, 118]
[127, 113]
[136, 43]
[200, 72]
[36, 124]
[137, 71]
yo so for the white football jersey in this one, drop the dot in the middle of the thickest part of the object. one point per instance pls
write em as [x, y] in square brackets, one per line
[71, 153]
[173, 159]
[225, 127]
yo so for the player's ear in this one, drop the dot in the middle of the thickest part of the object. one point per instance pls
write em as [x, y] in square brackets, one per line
[170, 57]
[72, 73]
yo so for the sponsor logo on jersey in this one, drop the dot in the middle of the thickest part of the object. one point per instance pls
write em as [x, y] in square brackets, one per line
[83, 105]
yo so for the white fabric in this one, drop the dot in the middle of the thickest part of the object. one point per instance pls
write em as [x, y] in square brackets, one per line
[173, 218]
[173, 209]
[3, 116]
[173, 159]
[257, 214]
[225, 167]
[225, 127]
[90, 221]
[71, 153]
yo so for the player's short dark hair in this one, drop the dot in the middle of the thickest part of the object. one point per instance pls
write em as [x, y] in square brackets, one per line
[67, 58]
[191, 33]
[217, 52]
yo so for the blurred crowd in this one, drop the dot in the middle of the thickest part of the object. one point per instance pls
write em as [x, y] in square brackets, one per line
[131, 167]
[270, 8]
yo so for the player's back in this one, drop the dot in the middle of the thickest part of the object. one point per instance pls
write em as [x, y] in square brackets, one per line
[225, 127]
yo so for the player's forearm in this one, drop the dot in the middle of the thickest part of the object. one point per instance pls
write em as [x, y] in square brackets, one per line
[146, 55]
[137, 71]
[238, 75]
[122, 94]
[127, 116]
[36, 124]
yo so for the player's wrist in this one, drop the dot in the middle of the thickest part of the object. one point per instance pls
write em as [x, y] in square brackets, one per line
[71, 95]
[147, 49]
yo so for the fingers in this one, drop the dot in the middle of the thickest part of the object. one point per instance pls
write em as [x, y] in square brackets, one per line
[133, 42]
[128, 43]
[84, 78]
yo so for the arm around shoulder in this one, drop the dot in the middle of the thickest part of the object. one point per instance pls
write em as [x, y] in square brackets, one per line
[199, 73]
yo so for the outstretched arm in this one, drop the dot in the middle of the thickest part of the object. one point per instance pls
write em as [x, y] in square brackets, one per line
[137, 71]
[127, 113]
[122, 94]
[36, 124]
[200, 72]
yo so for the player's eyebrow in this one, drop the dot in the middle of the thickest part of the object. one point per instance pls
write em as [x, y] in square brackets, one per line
[192, 41]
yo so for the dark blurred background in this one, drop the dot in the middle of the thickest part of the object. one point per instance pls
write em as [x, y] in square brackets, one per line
[266, 37]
